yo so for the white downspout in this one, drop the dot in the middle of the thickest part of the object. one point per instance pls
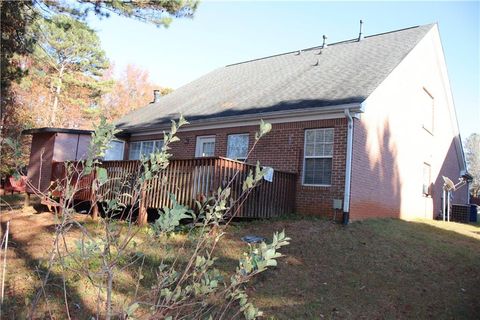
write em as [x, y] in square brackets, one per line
[348, 167]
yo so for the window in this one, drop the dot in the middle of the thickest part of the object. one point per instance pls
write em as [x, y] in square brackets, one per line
[426, 179]
[144, 148]
[318, 153]
[115, 150]
[427, 110]
[237, 146]
[205, 146]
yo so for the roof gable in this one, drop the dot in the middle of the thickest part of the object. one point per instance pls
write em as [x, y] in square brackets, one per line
[344, 72]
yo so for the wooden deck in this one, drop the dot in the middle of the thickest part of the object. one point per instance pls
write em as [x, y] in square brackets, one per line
[190, 180]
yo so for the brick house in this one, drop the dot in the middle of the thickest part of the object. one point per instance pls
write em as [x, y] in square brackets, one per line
[368, 124]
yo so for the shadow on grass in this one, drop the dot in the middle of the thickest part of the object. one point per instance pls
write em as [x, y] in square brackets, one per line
[175, 250]
[17, 201]
[19, 305]
[382, 268]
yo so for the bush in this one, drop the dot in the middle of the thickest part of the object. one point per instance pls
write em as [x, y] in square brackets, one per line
[190, 287]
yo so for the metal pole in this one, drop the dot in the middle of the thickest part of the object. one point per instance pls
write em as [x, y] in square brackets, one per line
[444, 203]
[5, 260]
[448, 206]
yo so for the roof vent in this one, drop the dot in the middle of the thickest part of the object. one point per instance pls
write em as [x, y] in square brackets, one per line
[360, 34]
[324, 45]
[156, 96]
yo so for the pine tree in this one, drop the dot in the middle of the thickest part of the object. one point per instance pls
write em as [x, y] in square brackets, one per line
[72, 54]
[158, 12]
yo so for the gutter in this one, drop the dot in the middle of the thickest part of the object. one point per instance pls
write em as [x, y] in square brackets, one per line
[348, 168]
[228, 121]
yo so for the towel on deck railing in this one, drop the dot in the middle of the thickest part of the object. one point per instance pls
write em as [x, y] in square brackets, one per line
[269, 174]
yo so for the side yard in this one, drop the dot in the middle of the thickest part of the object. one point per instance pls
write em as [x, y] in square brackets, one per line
[372, 269]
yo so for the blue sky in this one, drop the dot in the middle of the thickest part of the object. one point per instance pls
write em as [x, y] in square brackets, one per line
[227, 32]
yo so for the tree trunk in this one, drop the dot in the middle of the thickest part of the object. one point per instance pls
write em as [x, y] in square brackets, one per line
[108, 306]
[53, 118]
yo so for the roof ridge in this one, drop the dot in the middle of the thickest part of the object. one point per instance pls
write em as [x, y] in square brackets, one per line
[320, 47]
[392, 31]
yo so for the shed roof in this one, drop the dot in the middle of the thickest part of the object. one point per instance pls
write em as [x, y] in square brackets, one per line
[56, 130]
[343, 72]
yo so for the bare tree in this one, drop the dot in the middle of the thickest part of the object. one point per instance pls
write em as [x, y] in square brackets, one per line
[472, 151]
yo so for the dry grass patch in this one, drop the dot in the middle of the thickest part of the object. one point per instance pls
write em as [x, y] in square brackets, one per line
[372, 269]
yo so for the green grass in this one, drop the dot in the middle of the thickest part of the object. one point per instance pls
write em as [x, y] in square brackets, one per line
[383, 268]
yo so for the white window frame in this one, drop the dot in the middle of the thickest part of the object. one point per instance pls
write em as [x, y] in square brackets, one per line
[428, 190]
[141, 146]
[228, 145]
[316, 157]
[199, 145]
[431, 126]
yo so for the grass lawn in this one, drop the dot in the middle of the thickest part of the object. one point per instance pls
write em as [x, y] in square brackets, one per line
[373, 269]
[11, 201]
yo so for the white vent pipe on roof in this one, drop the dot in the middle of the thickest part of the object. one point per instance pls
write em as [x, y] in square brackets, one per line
[360, 34]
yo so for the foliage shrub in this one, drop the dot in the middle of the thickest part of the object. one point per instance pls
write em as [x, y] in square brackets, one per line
[190, 286]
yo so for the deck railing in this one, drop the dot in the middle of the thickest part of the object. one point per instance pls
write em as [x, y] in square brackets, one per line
[190, 180]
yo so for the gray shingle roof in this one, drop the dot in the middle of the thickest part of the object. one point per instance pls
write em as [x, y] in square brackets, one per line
[344, 72]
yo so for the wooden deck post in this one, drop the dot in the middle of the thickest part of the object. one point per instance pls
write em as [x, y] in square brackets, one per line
[27, 200]
[94, 205]
[142, 210]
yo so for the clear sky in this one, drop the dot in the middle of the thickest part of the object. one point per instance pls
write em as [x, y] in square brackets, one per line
[227, 32]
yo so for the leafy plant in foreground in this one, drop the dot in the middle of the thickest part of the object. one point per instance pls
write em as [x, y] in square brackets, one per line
[187, 286]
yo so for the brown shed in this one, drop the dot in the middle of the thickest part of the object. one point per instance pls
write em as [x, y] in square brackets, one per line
[51, 145]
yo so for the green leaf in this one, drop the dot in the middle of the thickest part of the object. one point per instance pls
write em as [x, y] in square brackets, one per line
[148, 175]
[248, 183]
[182, 121]
[171, 217]
[174, 139]
[173, 129]
[265, 128]
[131, 309]
[102, 175]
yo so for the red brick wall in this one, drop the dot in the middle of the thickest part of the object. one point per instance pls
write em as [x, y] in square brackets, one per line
[40, 163]
[281, 149]
[375, 185]
[378, 185]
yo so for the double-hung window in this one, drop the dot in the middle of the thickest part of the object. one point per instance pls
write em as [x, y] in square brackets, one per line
[427, 176]
[205, 146]
[318, 155]
[114, 150]
[237, 146]
[139, 148]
